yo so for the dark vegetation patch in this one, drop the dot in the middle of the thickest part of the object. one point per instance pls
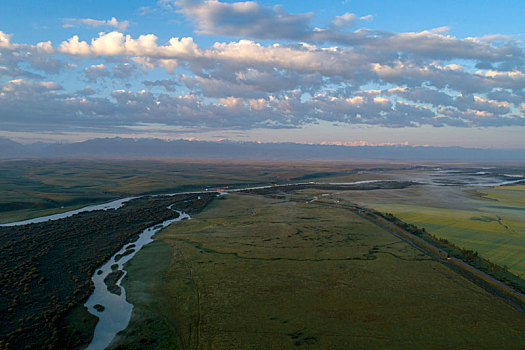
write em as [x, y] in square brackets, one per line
[99, 308]
[47, 203]
[47, 267]
[111, 281]
[301, 338]
[76, 323]
[126, 252]
[380, 185]
[483, 218]
[316, 175]
[323, 174]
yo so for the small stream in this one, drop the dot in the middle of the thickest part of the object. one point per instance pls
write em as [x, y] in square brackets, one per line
[117, 311]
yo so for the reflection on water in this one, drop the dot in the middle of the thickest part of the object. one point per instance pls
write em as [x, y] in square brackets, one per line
[467, 177]
[117, 311]
[106, 206]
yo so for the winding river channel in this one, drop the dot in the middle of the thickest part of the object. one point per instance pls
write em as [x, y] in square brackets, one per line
[117, 311]
[113, 310]
[106, 206]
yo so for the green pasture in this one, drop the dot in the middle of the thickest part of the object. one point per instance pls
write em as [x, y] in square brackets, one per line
[488, 220]
[510, 195]
[251, 272]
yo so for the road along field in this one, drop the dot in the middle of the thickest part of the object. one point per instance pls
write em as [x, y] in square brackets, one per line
[488, 220]
[257, 272]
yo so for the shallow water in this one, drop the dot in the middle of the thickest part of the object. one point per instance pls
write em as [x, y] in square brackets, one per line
[467, 177]
[106, 206]
[117, 311]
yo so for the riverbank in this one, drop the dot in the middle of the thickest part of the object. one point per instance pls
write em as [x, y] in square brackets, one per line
[49, 266]
[108, 301]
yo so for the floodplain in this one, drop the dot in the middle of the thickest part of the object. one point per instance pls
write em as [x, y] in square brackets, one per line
[258, 272]
[272, 267]
[34, 188]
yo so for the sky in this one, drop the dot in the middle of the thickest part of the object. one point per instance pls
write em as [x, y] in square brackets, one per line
[351, 72]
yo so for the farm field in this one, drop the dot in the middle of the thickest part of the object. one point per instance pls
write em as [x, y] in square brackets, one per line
[488, 220]
[257, 272]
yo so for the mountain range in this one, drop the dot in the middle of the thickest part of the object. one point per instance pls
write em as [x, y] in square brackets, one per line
[184, 149]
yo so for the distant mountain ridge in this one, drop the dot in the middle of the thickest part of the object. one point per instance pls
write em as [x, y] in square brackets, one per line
[183, 149]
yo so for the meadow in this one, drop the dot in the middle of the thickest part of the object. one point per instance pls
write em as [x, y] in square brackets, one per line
[253, 272]
[32, 188]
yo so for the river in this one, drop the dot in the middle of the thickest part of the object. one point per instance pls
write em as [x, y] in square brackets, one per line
[106, 206]
[117, 311]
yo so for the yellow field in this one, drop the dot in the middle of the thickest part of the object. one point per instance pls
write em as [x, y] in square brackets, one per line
[488, 220]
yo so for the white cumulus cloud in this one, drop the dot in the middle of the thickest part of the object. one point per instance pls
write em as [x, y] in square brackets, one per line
[95, 23]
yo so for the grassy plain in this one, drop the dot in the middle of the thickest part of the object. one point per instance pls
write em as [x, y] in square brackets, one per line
[252, 272]
[488, 220]
[32, 188]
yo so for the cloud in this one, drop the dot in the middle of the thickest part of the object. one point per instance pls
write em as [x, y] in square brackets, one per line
[5, 40]
[86, 91]
[167, 84]
[124, 71]
[358, 65]
[25, 87]
[252, 83]
[304, 75]
[251, 20]
[25, 102]
[146, 10]
[95, 23]
[118, 44]
[383, 47]
[246, 19]
[95, 72]
[28, 61]
[348, 20]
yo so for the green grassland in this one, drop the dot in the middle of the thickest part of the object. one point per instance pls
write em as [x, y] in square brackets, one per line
[251, 272]
[32, 188]
[488, 220]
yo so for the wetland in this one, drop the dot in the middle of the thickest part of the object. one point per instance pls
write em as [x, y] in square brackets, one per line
[268, 266]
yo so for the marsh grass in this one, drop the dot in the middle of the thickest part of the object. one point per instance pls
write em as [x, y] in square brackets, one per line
[257, 273]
